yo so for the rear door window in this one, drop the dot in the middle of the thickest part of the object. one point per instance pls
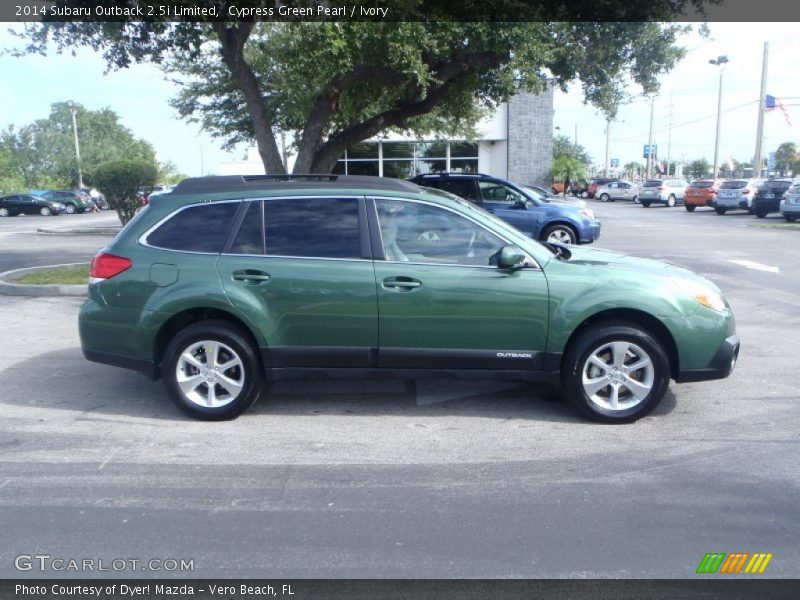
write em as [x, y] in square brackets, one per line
[199, 228]
[312, 227]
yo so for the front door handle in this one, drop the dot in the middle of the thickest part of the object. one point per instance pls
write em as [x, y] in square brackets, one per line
[250, 276]
[402, 284]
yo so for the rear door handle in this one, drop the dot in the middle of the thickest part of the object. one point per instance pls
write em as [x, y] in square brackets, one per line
[401, 283]
[251, 276]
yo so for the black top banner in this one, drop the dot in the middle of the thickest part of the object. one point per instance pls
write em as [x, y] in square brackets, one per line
[400, 10]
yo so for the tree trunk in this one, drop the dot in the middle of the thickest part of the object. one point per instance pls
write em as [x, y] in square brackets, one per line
[232, 40]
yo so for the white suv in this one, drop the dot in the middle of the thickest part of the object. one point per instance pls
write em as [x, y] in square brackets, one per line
[736, 194]
[662, 191]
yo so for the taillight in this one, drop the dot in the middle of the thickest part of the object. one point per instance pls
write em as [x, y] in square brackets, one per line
[106, 266]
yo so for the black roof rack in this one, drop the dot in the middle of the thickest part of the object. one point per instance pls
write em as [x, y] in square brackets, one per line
[233, 183]
[446, 174]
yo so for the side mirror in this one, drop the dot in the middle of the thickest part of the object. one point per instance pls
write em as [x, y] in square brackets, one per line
[511, 257]
[520, 205]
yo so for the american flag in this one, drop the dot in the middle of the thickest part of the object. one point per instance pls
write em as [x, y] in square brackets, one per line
[773, 103]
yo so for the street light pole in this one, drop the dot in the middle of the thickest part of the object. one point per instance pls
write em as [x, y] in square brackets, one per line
[73, 109]
[648, 173]
[720, 62]
[761, 107]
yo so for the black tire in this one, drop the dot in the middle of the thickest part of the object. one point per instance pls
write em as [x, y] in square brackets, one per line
[646, 203]
[593, 339]
[604, 197]
[689, 207]
[789, 219]
[70, 210]
[721, 210]
[45, 211]
[235, 339]
[671, 200]
[761, 214]
[563, 230]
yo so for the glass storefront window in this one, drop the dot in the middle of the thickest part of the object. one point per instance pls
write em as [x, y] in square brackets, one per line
[464, 165]
[431, 166]
[363, 167]
[432, 149]
[398, 149]
[463, 149]
[363, 150]
[399, 169]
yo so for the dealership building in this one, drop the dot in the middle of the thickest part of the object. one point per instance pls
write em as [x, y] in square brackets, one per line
[515, 142]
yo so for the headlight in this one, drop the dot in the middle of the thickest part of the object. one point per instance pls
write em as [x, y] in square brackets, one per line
[702, 293]
[589, 214]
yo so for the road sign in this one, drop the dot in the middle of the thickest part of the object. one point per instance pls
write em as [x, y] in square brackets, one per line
[615, 162]
[650, 151]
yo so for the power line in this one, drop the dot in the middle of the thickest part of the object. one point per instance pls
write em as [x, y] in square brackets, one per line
[639, 137]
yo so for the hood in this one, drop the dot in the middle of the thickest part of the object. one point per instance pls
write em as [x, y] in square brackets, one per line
[631, 264]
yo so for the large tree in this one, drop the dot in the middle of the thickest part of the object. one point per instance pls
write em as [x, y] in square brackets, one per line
[563, 146]
[333, 84]
[786, 157]
[43, 152]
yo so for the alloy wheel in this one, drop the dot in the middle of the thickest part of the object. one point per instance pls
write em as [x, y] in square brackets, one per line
[210, 374]
[618, 376]
[559, 235]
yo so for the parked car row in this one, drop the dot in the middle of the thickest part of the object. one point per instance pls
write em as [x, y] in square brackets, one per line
[758, 197]
[52, 202]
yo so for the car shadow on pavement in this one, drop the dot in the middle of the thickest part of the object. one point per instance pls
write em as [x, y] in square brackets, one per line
[70, 382]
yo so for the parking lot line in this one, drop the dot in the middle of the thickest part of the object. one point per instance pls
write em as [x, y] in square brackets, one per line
[749, 264]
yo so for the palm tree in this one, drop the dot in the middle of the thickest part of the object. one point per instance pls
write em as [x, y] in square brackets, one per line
[568, 169]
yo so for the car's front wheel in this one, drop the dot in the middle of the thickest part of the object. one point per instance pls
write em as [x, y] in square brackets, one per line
[615, 372]
[4, 212]
[604, 197]
[70, 209]
[646, 204]
[689, 207]
[671, 200]
[721, 210]
[761, 214]
[560, 234]
[211, 371]
[45, 211]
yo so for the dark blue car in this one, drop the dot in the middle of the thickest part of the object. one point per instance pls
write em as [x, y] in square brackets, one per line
[544, 219]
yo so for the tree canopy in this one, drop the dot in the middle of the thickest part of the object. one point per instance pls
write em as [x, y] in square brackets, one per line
[333, 84]
[786, 157]
[120, 180]
[563, 146]
[42, 154]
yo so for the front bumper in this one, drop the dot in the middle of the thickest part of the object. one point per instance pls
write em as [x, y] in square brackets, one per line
[721, 364]
[589, 233]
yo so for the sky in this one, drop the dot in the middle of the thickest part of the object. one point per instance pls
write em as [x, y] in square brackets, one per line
[140, 96]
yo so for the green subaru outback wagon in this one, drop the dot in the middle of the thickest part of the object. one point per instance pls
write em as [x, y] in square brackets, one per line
[230, 283]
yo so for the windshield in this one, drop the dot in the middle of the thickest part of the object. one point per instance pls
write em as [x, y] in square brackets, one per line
[777, 184]
[733, 185]
[533, 193]
[702, 184]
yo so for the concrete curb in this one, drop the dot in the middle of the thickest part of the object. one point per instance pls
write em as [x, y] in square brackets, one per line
[8, 288]
[79, 231]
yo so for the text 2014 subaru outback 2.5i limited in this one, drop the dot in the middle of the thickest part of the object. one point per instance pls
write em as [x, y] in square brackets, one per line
[229, 283]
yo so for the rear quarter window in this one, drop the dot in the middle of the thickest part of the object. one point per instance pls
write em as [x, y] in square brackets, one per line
[199, 228]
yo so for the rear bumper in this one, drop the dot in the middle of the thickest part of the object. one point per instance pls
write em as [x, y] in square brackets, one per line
[117, 360]
[721, 364]
[767, 204]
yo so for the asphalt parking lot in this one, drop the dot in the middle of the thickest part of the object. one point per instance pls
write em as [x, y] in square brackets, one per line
[395, 480]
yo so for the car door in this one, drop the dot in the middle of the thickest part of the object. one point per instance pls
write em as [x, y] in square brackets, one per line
[27, 206]
[441, 302]
[300, 268]
[510, 205]
[12, 204]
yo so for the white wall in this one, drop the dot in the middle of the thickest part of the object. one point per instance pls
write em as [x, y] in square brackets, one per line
[493, 158]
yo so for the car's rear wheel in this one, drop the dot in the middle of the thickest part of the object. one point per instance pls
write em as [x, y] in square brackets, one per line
[45, 211]
[615, 372]
[560, 234]
[4, 212]
[70, 209]
[789, 219]
[721, 210]
[671, 200]
[604, 197]
[584, 194]
[646, 203]
[211, 371]
[761, 214]
[689, 207]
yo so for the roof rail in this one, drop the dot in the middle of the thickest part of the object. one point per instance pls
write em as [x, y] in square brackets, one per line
[233, 183]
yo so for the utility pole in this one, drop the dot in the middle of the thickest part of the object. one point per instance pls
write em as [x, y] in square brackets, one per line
[761, 106]
[608, 143]
[648, 173]
[73, 109]
[720, 62]
[576, 134]
[669, 135]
